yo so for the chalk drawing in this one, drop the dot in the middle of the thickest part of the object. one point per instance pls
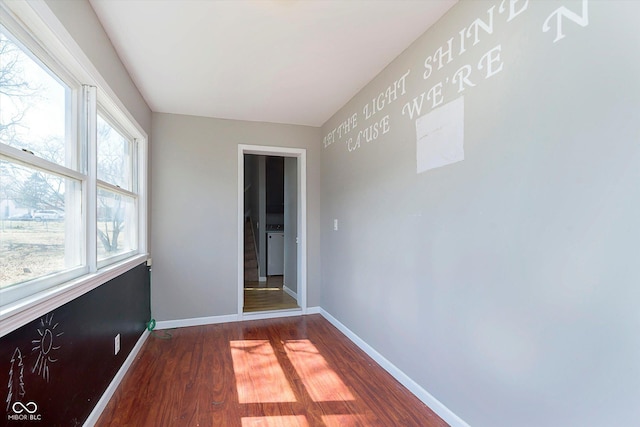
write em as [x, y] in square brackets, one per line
[16, 378]
[45, 346]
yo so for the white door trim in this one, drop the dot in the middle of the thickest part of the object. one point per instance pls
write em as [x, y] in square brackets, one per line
[301, 255]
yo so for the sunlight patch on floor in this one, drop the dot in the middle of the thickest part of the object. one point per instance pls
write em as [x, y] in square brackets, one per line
[259, 377]
[322, 382]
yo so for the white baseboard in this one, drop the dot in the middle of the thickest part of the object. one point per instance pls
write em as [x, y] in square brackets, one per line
[113, 386]
[290, 292]
[313, 310]
[434, 404]
[196, 321]
[262, 279]
[257, 315]
[271, 314]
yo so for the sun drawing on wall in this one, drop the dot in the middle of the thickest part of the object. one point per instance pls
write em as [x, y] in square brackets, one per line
[45, 346]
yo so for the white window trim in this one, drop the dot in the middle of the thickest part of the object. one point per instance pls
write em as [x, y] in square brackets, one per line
[68, 56]
[34, 162]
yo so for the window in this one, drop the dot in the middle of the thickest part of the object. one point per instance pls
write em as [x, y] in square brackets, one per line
[116, 224]
[70, 195]
[37, 242]
[40, 186]
[116, 216]
[114, 156]
[35, 105]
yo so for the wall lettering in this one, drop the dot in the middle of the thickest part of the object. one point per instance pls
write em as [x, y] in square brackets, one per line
[562, 13]
[467, 76]
[386, 97]
[489, 65]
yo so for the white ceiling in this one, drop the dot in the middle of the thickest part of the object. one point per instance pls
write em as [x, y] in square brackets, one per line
[281, 61]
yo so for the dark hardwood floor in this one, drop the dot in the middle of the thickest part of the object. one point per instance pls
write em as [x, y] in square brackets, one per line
[297, 371]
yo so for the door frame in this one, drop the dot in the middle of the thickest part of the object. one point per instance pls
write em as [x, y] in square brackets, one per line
[301, 253]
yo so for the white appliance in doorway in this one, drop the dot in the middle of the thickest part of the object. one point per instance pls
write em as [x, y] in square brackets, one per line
[275, 253]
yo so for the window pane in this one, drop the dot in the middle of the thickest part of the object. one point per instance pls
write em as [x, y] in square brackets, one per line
[40, 224]
[117, 220]
[34, 107]
[114, 158]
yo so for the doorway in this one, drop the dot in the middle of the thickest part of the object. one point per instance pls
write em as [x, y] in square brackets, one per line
[271, 231]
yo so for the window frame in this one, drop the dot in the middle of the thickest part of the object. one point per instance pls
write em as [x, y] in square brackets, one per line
[38, 30]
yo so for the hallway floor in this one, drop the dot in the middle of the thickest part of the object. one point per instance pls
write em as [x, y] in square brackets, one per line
[269, 295]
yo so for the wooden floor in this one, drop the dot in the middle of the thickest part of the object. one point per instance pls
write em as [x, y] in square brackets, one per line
[296, 371]
[269, 295]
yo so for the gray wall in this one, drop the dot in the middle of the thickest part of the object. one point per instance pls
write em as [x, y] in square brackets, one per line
[505, 284]
[194, 210]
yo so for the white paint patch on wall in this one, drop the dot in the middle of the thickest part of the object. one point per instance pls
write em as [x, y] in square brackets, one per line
[440, 136]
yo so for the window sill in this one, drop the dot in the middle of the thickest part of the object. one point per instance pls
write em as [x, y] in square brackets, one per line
[21, 312]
